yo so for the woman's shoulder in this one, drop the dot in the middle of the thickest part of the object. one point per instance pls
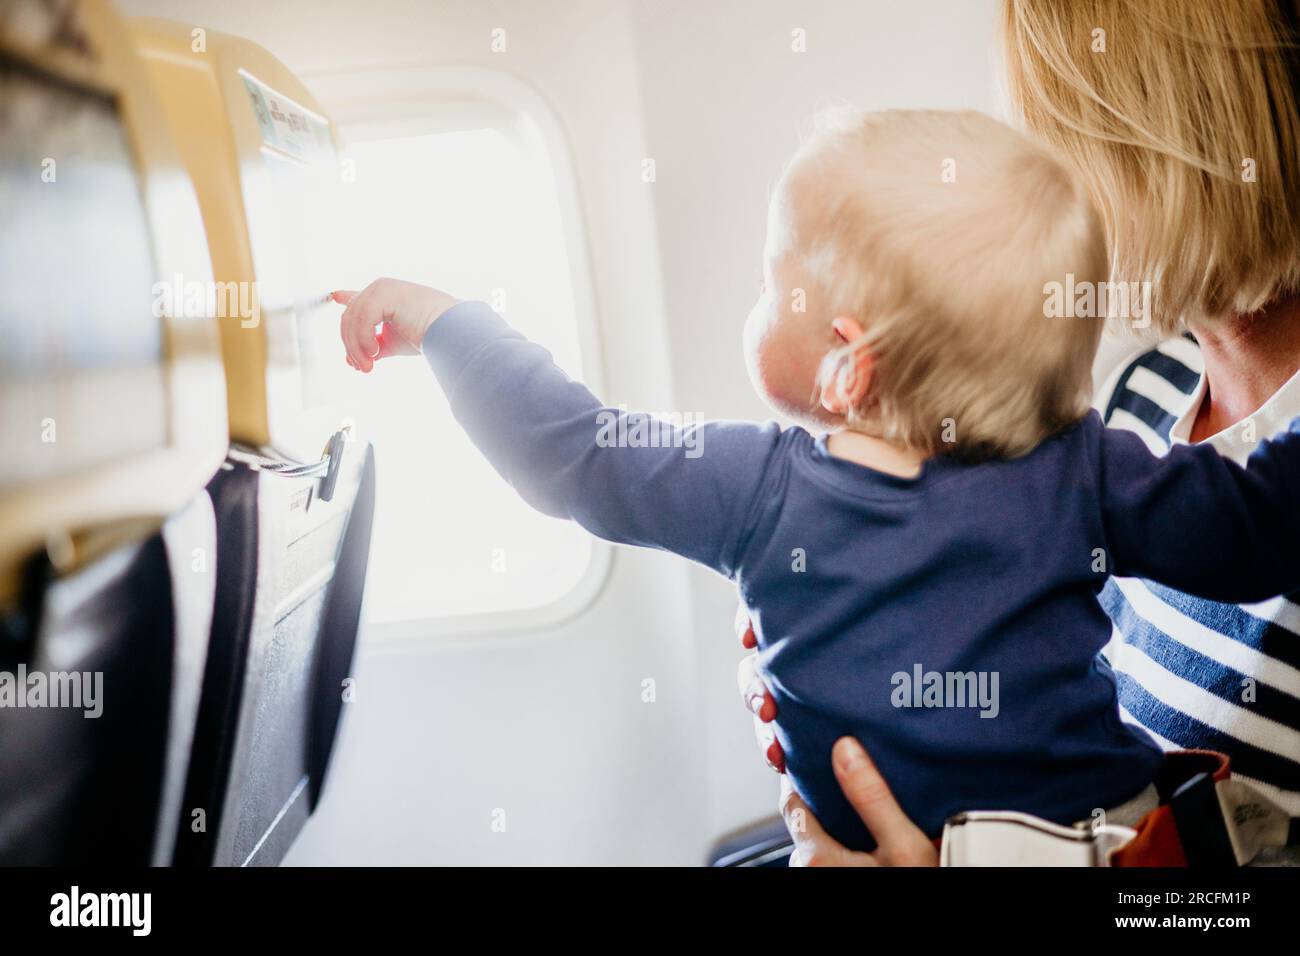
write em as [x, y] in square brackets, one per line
[1149, 387]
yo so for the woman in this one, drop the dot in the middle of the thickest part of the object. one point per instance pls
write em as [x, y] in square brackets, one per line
[1183, 117]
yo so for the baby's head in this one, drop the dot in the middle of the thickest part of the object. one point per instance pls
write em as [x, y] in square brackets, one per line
[905, 272]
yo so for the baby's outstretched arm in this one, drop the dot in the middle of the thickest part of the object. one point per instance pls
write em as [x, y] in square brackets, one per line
[1197, 521]
[626, 476]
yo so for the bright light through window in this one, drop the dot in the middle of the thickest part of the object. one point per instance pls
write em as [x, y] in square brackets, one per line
[475, 213]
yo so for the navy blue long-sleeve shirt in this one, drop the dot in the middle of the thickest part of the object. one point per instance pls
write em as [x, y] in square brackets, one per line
[949, 621]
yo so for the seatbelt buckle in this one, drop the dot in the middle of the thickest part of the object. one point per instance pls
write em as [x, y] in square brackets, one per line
[333, 456]
[1009, 838]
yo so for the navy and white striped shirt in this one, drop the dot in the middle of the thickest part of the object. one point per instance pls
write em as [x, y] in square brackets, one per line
[1192, 672]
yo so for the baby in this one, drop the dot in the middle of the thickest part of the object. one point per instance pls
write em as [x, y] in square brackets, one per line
[923, 574]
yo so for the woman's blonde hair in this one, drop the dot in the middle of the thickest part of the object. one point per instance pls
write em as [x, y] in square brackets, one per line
[941, 232]
[1182, 117]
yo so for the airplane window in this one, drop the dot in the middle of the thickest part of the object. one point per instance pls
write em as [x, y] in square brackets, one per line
[474, 212]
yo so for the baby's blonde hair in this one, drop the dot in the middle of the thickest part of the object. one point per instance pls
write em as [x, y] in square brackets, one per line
[940, 233]
[1182, 117]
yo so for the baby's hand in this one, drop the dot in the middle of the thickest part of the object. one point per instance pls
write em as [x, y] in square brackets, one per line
[388, 317]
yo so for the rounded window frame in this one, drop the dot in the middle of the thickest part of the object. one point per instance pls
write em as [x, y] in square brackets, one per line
[386, 102]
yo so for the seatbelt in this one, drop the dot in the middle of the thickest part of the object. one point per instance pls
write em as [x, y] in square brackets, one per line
[1205, 819]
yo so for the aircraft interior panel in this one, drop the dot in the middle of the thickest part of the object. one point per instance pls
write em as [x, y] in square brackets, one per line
[287, 498]
[108, 443]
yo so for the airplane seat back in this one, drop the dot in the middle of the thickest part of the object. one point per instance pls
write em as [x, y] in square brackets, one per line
[294, 503]
[109, 431]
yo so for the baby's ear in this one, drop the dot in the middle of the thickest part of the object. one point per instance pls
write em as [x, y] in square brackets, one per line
[848, 371]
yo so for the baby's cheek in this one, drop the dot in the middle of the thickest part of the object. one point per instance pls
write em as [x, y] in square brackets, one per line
[781, 382]
[761, 358]
[781, 362]
[753, 344]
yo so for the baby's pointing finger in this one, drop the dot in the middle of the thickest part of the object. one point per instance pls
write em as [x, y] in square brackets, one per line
[356, 317]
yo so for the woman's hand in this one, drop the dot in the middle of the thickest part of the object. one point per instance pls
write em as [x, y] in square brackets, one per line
[899, 842]
[757, 698]
[388, 317]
